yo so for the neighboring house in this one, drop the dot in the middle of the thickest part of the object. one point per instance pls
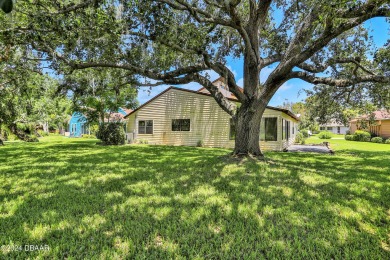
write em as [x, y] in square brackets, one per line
[378, 123]
[179, 116]
[78, 124]
[334, 127]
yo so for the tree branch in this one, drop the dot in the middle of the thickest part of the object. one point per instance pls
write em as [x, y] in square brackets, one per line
[222, 70]
[322, 67]
[311, 78]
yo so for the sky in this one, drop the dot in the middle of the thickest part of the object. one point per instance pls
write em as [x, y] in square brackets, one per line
[292, 90]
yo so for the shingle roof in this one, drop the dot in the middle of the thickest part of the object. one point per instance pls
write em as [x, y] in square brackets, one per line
[288, 112]
[378, 115]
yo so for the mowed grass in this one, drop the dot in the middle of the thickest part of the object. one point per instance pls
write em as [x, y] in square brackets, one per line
[154, 202]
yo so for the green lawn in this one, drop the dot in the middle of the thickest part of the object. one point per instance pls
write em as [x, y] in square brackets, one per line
[89, 201]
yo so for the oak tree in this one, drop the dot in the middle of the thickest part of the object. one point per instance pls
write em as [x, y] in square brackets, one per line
[179, 41]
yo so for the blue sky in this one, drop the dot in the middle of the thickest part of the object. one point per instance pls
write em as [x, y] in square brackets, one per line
[291, 90]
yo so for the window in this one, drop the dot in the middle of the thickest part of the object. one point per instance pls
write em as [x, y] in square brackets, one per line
[293, 128]
[288, 131]
[285, 129]
[232, 132]
[73, 128]
[145, 127]
[269, 129]
[180, 125]
[329, 128]
[322, 128]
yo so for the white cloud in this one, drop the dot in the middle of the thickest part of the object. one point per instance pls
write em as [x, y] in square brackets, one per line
[285, 86]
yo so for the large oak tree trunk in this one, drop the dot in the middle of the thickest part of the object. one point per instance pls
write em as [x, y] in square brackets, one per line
[249, 114]
[247, 124]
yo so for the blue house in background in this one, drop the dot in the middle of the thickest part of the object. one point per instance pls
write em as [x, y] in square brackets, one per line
[78, 124]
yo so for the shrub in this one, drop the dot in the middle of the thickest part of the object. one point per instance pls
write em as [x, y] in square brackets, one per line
[143, 141]
[31, 139]
[303, 141]
[361, 136]
[349, 137]
[348, 132]
[299, 137]
[88, 136]
[378, 140]
[324, 135]
[111, 133]
[200, 143]
[387, 141]
[42, 133]
[305, 133]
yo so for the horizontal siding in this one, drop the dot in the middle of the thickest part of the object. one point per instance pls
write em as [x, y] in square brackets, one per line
[293, 123]
[385, 128]
[209, 123]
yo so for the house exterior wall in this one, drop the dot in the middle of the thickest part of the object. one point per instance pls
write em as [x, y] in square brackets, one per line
[77, 125]
[208, 122]
[385, 128]
[334, 129]
[380, 128]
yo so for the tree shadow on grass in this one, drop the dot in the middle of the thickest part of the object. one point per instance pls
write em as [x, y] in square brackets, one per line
[89, 201]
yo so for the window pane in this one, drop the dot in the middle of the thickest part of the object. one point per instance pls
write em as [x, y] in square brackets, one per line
[149, 123]
[175, 125]
[283, 131]
[232, 132]
[149, 130]
[271, 129]
[287, 130]
[181, 125]
[185, 125]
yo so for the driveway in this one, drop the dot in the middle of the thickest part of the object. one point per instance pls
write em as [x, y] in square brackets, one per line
[309, 148]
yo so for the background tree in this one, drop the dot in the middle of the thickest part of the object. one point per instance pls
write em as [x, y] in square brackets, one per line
[27, 97]
[179, 41]
[331, 102]
[100, 92]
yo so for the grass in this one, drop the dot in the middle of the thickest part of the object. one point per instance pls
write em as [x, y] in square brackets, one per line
[147, 202]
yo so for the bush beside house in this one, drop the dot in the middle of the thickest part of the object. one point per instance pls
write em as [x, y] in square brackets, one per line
[111, 133]
[361, 136]
[378, 140]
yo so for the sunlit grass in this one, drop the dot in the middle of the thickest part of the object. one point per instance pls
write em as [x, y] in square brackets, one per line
[90, 201]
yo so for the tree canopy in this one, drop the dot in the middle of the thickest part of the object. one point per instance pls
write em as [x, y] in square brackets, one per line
[179, 41]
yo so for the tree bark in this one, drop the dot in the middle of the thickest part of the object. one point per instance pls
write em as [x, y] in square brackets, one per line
[249, 114]
[247, 124]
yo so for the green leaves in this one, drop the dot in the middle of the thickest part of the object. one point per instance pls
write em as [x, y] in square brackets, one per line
[6, 5]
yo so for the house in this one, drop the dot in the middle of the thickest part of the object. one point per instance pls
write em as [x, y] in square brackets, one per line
[334, 127]
[180, 116]
[378, 123]
[78, 123]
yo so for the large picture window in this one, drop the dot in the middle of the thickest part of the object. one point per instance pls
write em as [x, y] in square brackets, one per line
[145, 127]
[269, 129]
[181, 125]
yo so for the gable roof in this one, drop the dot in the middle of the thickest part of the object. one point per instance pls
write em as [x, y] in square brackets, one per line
[288, 112]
